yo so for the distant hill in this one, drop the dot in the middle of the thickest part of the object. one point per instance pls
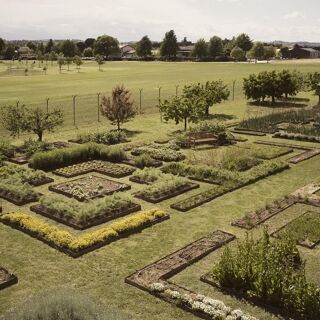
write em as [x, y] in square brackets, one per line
[300, 43]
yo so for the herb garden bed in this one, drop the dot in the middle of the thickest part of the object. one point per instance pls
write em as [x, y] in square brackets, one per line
[78, 245]
[89, 187]
[154, 279]
[299, 137]
[7, 279]
[103, 167]
[19, 200]
[105, 216]
[41, 181]
[304, 229]
[250, 133]
[170, 193]
[154, 163]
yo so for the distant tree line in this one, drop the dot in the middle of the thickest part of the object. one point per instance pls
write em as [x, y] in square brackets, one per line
[216, 49]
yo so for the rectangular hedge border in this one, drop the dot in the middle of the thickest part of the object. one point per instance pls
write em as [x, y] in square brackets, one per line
[41, 182]
[173, 193]
[18, 202]
[102, 218]
[276, 235]
[77, 254]
[11, 281]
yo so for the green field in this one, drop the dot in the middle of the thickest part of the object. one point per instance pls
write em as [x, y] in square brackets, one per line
[101, 274]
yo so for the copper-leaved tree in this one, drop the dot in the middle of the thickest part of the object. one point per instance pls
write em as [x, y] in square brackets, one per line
[119, 108]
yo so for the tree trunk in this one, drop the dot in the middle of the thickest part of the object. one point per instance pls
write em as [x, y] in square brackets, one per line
[185, 124]
[118, 125]
[207, 111]
[273, 100]
[319, 100]
[40, 134]
[286, 96]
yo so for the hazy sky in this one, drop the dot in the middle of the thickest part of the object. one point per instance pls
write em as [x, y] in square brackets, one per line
[291, 20]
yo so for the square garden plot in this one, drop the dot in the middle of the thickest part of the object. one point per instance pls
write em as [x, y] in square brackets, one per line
[6, 279]
[304, 229]
[89, 187]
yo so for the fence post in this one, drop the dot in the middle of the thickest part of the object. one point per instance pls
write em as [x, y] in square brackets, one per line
[140, 101]
[233, 89]
[177, 88]
[18, 102]
[98, 110]
[47, 100]
[74, 109]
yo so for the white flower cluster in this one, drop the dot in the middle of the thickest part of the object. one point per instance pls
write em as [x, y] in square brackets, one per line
[157, 287]
[216, 309]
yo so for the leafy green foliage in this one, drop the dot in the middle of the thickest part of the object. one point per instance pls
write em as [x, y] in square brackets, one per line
[62, 157]
[106, 45]
[267, 271]
[108, 137]
[169, 45]
[63, 304]
[144, 47]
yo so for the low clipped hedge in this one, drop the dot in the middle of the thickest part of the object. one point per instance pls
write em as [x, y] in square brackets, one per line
[58, 158]
[73, 244]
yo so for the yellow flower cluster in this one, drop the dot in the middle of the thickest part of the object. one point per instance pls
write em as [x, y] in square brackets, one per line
[65, 239]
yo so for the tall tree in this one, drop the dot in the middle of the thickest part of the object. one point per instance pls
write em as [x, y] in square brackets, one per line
[269, 52]
[9, 52]
[68, 48]
[144, 47]
[244, 42]
[49, 46]
[215, 47]
[200, 49]
[61, 61]
[78, 62]
[237, 54]
[89, 42]
[80, 47]
[313, 81]
[212, 92]
[183, 109]
[39, 121]
[88, 52]
[2, 45]
[106, 46]
[40, 47]
[99, 60]
[257, 51]
[119, 108]
[32, 46]
[169, 45]
[12, 118]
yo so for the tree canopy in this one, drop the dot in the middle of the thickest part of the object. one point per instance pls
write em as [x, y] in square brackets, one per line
[169, 46]
[244, 42]
[68, 48]
[144, 47]
[215, 47]
[200, 49]
[106, 46]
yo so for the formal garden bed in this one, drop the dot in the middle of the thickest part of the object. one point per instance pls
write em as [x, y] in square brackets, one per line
[158, 152]
[103, 167]
[233, 182]
[89, 187]
[83, 216]
[305, 230]
[147, 176]
[166, 187]
[7, 279]
[248, 132]
[143, 161]
[154, 279]
[107, 138]
[304, 156]
[298, 137]
[78, 245]
[267, 273]
[59, 158]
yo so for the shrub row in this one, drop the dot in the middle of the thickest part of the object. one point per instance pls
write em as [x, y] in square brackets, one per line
[65, 240]
[259, 172]
[272, 272]
[108, 138]
[299, 137]
[62, 157]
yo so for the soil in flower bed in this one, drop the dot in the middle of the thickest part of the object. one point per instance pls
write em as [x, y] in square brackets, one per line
[18, 159]
[102, 217]
[19, 201]
[304, 156]
[174, 263]
[155, 198]
[7, 279]
[250, 133]
[304, 229]
[154, 164]
[103, 167]
[254, 219]
[89, 187]
[41, 181]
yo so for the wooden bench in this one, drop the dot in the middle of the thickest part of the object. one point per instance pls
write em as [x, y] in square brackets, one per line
[196, 138]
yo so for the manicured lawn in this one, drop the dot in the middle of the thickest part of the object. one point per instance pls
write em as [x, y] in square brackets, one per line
[101, 273]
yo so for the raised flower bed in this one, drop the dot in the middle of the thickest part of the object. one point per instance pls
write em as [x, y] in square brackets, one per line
[89, 187]
[7, 279]
[82, 216]
[103, 167]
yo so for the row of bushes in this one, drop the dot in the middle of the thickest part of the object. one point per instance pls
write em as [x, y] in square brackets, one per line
[271, 272]
[299, 137]
[268, 123]
[259, 172]
[63, 157]
[108, 138]
[80, 212]
[15, 188]
[65, 240]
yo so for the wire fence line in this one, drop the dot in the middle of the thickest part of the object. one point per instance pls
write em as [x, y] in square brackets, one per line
[84, 109]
